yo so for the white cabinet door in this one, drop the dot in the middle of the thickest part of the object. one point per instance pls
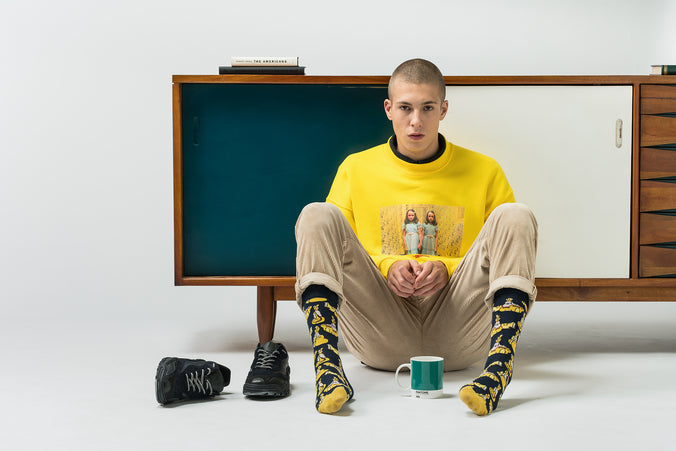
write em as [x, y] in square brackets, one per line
[558, 146]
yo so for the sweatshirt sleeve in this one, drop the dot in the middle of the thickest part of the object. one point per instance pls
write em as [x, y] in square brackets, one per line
[498, 191]
[339, 194]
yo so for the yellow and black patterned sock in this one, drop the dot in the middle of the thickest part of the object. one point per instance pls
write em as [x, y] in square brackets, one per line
[510, 307]
[333, 389]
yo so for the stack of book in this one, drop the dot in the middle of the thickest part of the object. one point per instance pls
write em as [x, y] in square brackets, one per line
[268, 65]
[666, 69]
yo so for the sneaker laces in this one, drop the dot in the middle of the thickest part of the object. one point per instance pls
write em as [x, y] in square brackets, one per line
[265, 359]
[197, 383]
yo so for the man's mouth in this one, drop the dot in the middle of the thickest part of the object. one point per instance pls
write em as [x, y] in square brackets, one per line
[416, 136]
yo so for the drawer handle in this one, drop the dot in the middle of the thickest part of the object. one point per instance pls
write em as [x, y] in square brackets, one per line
[618, 133]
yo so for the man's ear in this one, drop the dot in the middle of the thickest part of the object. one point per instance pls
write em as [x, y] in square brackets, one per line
[388, 108]
[444, 109]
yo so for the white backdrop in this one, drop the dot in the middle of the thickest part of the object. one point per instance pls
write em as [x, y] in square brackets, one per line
[85, 115]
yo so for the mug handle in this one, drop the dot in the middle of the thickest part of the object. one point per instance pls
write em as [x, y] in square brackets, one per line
[396, 375]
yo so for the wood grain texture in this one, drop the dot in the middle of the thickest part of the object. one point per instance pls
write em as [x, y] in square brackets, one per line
[657, 196]
[266, 313]
[657, 229]
[657, 106]
[178, 185]
[657, 163]
[657, 261]
[661, 91]
[635, 180]
[657, 130]
[467, 80]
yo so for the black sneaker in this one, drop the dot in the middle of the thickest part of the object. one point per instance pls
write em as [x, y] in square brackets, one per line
[269, 374]
[180, 379]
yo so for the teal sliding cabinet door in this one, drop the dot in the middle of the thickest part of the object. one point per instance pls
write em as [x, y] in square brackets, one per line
[253, 155]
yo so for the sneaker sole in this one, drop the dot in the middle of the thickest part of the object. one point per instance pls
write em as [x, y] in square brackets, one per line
[165, 370]
[268, 391]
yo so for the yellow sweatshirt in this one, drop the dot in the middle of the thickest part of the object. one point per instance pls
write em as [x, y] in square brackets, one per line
[375, 190]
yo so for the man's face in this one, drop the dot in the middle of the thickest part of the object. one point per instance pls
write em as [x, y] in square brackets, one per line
[415, 111]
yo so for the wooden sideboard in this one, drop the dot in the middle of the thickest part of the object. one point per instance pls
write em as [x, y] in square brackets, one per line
[652, 241]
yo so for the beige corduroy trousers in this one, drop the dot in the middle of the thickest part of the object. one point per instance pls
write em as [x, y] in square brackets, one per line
[384, 330]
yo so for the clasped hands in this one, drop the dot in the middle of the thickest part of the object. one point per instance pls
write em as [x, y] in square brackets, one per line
[410, 278]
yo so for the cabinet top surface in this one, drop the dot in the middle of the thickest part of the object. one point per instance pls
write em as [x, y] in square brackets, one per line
[450, 80]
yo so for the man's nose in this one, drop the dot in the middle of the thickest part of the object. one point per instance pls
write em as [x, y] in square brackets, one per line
[416, 118]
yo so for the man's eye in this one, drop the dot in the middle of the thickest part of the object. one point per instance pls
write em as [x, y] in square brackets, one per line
[404, 107]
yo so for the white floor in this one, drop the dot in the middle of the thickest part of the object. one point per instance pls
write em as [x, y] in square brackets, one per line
[587, 376]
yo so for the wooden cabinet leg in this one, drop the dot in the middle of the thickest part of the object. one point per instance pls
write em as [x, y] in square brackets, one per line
[266, 313]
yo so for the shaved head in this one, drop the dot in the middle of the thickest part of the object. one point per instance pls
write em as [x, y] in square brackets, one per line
[419, 71]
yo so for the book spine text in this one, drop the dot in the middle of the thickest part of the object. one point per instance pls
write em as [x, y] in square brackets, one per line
[264, 61]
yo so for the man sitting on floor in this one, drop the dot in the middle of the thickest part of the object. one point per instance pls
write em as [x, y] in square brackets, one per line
[467, 301]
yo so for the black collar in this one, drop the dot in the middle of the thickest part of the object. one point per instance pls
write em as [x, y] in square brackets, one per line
[440, 152]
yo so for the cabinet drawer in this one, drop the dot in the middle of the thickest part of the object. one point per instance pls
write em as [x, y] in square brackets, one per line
[657, 163]
[659, 91]
[657, 261]
[655, 229]
[656, 196]
[658, 99]
[657, 130]
[657, 106]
